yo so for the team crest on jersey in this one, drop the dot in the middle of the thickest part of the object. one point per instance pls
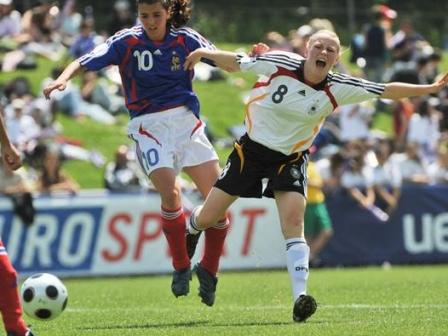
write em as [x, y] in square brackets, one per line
[295, 172]
[313, 109]
[175, 63]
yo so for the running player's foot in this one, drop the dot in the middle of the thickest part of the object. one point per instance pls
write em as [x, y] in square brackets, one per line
[180, 286]
[192, 242]
[207, 285]
[304, 307]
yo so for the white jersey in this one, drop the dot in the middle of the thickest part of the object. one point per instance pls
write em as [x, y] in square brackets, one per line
[284, 113]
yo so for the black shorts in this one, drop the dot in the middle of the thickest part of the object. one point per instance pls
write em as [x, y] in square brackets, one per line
[250, 163]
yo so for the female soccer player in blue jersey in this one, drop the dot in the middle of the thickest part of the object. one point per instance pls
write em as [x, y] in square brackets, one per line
[165, 124]
[286, 109]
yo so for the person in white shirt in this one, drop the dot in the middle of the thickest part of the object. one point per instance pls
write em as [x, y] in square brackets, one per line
[424, 129]
[354, 120]
[286, 109]
[412, 167]
[9, 20]
[386, 176]
[438, 170]
[21, 127]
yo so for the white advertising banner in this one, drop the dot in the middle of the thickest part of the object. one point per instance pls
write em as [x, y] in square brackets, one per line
[93, 234]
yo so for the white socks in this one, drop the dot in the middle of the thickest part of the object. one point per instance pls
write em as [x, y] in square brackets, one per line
[297, 260]
[191, 225]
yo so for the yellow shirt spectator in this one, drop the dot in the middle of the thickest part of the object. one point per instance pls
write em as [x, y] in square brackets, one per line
[315, 194]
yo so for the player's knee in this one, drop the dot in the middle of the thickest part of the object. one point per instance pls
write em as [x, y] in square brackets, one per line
[292, 229]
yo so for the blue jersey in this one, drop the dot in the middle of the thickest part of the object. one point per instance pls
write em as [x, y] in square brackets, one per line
[152, 73]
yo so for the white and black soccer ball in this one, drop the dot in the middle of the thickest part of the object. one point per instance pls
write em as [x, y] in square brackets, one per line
[44, 296]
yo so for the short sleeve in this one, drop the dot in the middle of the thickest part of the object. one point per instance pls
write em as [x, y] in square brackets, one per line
[103, 55]
[355, 90]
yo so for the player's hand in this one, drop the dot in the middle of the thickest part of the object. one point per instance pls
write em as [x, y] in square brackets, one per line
[259, 49]
[58, 84]
[192, 59]
[441, 83]
[11, 157]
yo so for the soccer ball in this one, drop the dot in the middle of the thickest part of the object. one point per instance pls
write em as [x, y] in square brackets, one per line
[44, 296]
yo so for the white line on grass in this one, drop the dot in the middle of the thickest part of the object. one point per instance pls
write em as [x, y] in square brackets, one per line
[263, 307]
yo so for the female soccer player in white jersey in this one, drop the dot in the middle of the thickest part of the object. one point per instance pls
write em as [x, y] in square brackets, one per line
[286, 109]
[165, 124]
[10, 307]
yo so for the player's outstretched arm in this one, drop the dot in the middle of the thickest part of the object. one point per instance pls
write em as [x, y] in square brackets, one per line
[61, 82]
[225, 60]
[396, 90]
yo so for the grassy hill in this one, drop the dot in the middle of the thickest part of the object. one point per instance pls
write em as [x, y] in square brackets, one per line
[221, 103]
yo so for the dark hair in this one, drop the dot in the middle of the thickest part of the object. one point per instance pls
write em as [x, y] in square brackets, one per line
[179, 11]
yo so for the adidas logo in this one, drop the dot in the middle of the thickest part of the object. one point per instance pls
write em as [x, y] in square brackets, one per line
[157, 52]
[302, 93]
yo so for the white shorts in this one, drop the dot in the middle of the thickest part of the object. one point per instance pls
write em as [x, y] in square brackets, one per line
[173, 138]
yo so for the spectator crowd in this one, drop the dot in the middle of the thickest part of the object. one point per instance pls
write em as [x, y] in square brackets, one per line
[371, 165]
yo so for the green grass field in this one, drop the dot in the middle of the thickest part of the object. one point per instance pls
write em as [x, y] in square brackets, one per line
[352, 301]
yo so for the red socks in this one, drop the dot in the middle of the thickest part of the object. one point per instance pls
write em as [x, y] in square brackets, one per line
[214, 244]
[9, 297]
[173, 223]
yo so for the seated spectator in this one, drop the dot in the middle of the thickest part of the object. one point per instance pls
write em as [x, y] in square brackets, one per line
[38, 37]
[317, 220]
[412, 167]
[438, 171]
[97, 90]
[69, 22]
[354, 121]
[21, 127]
[123, 174]
[70, 102]
[424, 130]
[357, 179]
[52, 178]
[331, 169]
[9, 24]
[85, 41]
[386, 177]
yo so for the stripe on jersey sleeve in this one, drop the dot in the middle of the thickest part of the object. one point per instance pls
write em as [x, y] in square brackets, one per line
[202, 41]
[372, 87]
[280, 60]
[103, 48]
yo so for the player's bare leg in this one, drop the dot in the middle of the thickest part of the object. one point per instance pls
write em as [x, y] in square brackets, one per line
[291, 208]
[204, 217]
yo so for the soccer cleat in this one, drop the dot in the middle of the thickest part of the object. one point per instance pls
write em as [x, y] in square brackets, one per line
[304, 307]
[207, 285]
[28, 333]
[192, 242]
[180, 286]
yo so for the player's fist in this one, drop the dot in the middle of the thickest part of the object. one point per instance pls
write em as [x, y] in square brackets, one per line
[258, 49]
